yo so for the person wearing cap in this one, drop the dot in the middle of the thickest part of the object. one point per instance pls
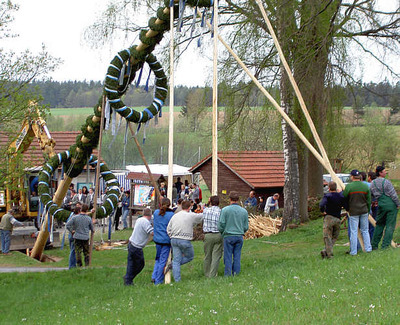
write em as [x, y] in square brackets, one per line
[8, 222]
[233, 223]
[331, 206]
[388, 205]
[358, 197]
[141, 235]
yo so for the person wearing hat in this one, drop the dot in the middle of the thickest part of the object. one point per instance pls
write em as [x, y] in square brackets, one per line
[358, 196]
[8, 222]
[388, 205]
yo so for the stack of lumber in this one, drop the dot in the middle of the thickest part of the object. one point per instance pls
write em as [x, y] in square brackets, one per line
[262, 226]
[110, 245]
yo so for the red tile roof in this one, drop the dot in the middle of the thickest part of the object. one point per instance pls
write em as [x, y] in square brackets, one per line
[259, 169]
[33, 155]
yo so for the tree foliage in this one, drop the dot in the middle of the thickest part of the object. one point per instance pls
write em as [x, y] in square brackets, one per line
[16, 72]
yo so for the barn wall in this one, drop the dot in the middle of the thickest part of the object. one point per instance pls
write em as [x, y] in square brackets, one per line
[227, 180]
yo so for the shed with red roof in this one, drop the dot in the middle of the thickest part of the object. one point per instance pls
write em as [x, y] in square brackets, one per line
[243, 171]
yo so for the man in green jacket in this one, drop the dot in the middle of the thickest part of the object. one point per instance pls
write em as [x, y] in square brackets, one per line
[233, 223]
[358, 197]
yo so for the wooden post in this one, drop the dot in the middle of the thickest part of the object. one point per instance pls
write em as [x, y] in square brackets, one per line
[300, 97]
[152, 180]
[171, 109]
[214, 161]
[97, 188]
[41, 240]
[167, 276]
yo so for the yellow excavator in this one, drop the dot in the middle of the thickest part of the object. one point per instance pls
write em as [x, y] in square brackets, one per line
[21, 191]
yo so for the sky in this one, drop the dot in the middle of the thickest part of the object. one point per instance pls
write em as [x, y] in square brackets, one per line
[59, 25]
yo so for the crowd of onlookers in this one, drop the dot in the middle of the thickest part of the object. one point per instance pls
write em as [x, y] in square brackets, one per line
[368, 198]
[83, 196]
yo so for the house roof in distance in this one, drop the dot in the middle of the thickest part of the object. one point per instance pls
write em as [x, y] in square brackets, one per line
[259, 169]
[33, 155]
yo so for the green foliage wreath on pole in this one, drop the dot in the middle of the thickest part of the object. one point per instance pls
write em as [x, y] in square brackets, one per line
[121, 72]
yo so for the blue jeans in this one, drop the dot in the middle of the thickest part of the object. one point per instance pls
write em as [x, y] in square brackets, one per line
[183, 253]
[125, 218]
[162, 253]
[72, 256]
[5, 240]
[232, 248]
[353, 222]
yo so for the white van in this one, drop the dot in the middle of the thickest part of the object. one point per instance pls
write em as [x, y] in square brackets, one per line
[327, 178]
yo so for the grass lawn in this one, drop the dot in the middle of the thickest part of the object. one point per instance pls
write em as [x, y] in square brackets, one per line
[283, 281]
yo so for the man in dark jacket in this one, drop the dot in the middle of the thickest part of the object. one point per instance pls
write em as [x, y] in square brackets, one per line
[331, 206]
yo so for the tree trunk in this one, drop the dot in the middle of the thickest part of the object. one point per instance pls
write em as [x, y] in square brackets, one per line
[291, 187]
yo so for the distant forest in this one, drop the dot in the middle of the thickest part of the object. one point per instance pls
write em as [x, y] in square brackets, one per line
[86, 94]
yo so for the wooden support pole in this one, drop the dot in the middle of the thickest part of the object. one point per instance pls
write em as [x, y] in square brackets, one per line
[153, 182]
[171, 108]
[167, 276]
[300, 97]
[41, 240]
[97, 188]
[214, 190]
[275, 104]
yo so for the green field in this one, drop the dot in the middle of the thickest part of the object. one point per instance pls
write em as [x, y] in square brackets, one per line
[283, 281]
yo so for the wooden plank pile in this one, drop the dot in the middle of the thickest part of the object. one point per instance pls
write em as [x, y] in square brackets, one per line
[262, 226]
[110, 245]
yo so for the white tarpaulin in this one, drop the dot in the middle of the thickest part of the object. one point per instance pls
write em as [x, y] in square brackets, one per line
[160, 169]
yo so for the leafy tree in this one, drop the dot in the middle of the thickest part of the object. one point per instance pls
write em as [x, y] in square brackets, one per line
[16, 72]
[358, 109]
[316, 36]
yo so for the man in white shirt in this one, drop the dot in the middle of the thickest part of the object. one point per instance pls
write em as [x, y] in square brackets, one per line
[138, 240]
[180, 230]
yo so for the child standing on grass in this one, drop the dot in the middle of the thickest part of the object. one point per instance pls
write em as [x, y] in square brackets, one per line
[140, 237]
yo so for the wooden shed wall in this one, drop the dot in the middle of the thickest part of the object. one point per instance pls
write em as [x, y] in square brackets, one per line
[227, 180]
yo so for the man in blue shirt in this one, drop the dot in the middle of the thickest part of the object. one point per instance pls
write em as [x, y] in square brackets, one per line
[251, 201]
[233, 223]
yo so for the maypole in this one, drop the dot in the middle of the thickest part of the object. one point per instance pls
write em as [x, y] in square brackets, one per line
[171, 108]
[97, 184]
[214, 190]
[167, 276]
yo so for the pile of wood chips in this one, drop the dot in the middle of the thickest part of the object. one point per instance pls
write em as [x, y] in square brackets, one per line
[108, 245]
[262, 226]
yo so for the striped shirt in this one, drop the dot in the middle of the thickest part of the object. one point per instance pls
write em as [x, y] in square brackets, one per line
[211, 218]
[81, 224]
